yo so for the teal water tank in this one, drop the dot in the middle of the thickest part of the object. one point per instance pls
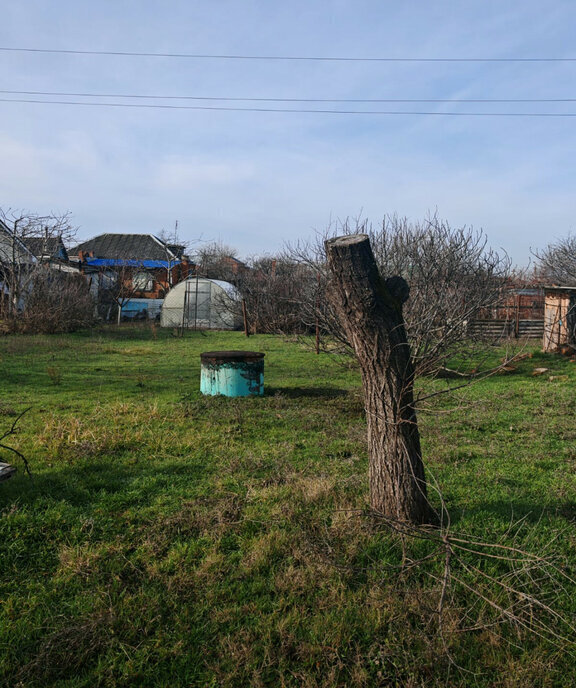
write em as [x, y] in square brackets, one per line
[232, 373]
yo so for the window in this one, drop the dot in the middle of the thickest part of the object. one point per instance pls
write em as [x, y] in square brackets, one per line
[143, 281]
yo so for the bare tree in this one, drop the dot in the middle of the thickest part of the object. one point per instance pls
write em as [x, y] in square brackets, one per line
[38, 295]
[370, 310]
[452, 273]
[435, 277]
[120, 288]
[216, 260]
[56, 302]
[274, 289]
[557, 262]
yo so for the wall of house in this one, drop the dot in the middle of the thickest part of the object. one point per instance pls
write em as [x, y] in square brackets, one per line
[162, 280]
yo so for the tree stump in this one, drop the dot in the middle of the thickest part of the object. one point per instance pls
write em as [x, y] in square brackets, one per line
[370, 307]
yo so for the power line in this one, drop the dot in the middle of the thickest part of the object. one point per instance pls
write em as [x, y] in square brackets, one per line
[290, 100]
[301, 58]
[289, 110]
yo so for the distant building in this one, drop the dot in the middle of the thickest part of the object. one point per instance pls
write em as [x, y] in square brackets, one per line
[47, 248]
[137, 247]
[148, 265]
[12, 249]
[131, 273]
[17, 264]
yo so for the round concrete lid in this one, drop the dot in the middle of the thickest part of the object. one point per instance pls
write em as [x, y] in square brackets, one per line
[231, 356]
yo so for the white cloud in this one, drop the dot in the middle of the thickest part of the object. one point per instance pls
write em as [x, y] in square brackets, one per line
[255, 178]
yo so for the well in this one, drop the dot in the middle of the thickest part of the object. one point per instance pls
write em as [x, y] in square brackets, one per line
[232, 373]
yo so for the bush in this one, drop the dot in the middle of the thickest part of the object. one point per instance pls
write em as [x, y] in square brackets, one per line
[57, 302]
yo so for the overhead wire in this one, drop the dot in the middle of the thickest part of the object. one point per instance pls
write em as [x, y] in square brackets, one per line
[288, 110]
[213, 99]
[312, 58]
[285, 100]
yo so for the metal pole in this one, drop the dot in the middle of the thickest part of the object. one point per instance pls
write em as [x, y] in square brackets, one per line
[244, 315]
[196, 304]
[185, 309]
[317, 320]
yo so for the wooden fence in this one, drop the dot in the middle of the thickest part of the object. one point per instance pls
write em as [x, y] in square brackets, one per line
[504, 329]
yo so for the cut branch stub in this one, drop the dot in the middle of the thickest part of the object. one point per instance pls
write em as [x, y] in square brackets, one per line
[370, 308]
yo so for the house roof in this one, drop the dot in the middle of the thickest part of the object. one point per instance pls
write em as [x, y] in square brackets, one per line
[558, 289]
[49, 247]
[137, 247]
[12, 248]
[232, 259]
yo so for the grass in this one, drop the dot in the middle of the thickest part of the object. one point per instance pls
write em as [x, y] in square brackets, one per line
[169, 539]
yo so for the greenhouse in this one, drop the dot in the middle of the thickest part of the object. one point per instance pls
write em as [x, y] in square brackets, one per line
[201, 303]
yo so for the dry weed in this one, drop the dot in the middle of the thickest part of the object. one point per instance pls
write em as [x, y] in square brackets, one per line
[67, 651]
[71, 438]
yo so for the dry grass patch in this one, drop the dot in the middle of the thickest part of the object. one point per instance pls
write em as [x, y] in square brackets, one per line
[73, 438]
[262, 552]
[310, 489]
[67, 651]
[108, 429]
[80, 561]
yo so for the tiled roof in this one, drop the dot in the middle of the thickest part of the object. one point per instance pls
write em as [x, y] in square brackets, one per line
[127, 247]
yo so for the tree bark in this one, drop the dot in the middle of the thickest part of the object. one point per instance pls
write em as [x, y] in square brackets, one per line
[370, 308]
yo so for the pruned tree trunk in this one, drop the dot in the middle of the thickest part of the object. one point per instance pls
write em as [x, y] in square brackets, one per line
[370, 308]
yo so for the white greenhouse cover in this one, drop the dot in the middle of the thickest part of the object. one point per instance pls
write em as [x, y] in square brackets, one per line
[202, 303]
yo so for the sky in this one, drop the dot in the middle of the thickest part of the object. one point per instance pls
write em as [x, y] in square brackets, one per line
[255, 180]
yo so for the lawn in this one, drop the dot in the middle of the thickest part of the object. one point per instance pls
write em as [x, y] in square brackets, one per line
[169, 539]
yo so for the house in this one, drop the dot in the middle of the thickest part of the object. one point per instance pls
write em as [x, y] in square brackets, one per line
[17, 264]
[47, 248]
[12, 249]
[233, 265]
[150, 265]
[220, 266]
[40, 291]
[145, 268]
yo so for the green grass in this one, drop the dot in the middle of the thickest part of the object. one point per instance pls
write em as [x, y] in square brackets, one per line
[169, 539]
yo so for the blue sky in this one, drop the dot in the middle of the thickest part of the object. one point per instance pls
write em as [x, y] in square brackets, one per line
[254, 180]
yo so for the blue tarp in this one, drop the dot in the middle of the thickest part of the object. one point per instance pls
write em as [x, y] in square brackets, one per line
[145, 308]
[120, 262]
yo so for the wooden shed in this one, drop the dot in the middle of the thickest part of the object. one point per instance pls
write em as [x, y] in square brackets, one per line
[559, 317]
